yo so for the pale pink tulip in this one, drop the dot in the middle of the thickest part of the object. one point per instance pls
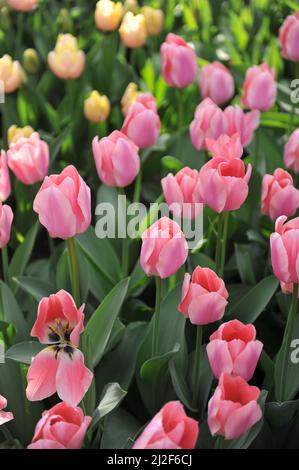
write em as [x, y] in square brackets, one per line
[5, 416]
[63, 204]
[223, 185]
[59, 367]
[5, 187]
[284, 244]
[61, 427]
[116, 158]
[23, 5]
[171, 428]
[216, 82]
[291, 152]
[279, 196]
[233, 349]
[164, 248]
[28, 158]
[233, 409]
[225, 146]
[178, 61]
[243, 123]
[289, 37]
[259, 89]
[179, 193]
[6, 218]
[209, 122]
[204, 297]
[142, 123]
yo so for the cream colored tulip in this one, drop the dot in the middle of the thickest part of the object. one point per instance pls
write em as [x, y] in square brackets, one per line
[133, 31]
[11, 73]
[66, 61]
[108, 15]
[96, 107]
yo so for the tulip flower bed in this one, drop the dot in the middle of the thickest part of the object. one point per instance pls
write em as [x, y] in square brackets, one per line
[124, 335]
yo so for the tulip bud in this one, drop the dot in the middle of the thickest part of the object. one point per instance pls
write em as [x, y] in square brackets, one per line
[66, 61]
[96, 107]
[65, 21]
[15, 133]
[31, 61]
[6, 218]
[133, 30]
[10, 73]
[129, 97]
[131, 5]
[5, 22]
[154, 20]
[108, 15]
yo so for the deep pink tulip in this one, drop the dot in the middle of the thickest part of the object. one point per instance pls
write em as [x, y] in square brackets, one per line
[116, 158]
[164, 248]
[284, 244]
[209, 122]
[279, 196]
[289, 37]
[233, 409]
[171, 428]
[23, 5]
[178, 61]
[5, 187]
[179, 193]
[259, 89]
[5, 416]
[61, 427]
[225, 146]
[204, 297]
[59, 367]
[233, 349]
[6, 218]
[216, 82]
[63, 204]
[291, 152]
[28, 158]
[243, 123]
[223, 185]
[142, 123]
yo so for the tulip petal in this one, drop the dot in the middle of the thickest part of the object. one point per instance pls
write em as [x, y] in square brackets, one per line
[41, 375]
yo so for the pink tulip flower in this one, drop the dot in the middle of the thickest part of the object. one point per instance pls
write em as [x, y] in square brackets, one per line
[204, 297]
[6, 218]
[164, 248]
[179, 193]
[5, 416]
[28, 159]
[63, 204]
[289, 36]
[233, 409]
[178, 61]
[209, 122]
[216, 82]
[23, 5]
[225, 146]
[259, 88]
[243, 123]
[61, 427]
[59, 367]
[279, 196]
[223, 185]
[171, 428]
[5, 187]
[284, 244]
[142, 123]
[116, 158]
[291, 152]
[233, 349]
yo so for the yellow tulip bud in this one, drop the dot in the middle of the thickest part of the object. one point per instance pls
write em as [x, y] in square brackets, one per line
[133, 30]
[67, 61]
[108, 15]
[96, 107]
[129, 97]
[131, 5]
[65, 21]
[154, 20]
[5, 21]
[31, 61]
[15, 133]
[11, 73]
